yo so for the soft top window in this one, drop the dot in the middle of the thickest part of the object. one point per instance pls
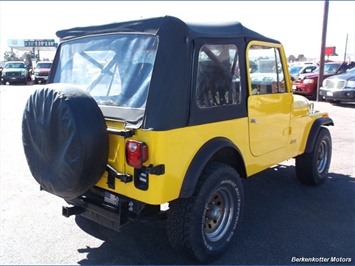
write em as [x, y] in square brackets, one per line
[265, 70]
[116, 69]
[218, 82]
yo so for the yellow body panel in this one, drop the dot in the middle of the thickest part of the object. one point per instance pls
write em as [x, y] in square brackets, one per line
[176, 149]
[173, 148]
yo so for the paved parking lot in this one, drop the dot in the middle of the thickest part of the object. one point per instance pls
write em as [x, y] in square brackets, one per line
[283, 222]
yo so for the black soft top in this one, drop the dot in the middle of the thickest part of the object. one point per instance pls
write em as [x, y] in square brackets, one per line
[170, 97]
[156, 25]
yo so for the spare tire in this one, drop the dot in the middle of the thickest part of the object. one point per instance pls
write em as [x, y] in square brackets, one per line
[65, 140]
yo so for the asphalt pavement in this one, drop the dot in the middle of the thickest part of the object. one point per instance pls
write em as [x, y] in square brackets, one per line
[284, 222]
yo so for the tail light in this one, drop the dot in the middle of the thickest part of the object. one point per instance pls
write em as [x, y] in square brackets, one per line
[136, 153]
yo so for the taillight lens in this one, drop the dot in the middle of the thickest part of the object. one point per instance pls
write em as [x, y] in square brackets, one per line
[136, 153]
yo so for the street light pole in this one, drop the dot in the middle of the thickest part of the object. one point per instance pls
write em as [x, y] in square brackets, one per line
[322, 49]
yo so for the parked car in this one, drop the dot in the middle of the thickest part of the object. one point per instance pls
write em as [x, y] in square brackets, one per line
[119, 131]
[296, 71]
[339, 88]
[41, 71]
[306, 85]
[14, 72]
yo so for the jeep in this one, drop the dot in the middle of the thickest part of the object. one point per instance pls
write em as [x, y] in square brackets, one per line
[162, 118]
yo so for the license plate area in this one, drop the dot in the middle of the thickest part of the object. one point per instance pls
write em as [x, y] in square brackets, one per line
[111, 199]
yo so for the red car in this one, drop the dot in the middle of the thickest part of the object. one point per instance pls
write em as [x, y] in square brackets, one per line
[306, 85]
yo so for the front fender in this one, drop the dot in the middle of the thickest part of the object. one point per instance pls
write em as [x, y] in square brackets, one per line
[318, 123]
[219, 149]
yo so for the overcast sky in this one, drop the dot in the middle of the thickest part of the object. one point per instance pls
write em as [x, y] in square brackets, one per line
[297, 24]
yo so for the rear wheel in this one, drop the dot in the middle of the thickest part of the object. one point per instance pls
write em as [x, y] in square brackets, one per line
[204, 224]
[312, 168]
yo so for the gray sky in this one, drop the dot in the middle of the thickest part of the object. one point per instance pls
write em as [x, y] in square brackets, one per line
[297, 24]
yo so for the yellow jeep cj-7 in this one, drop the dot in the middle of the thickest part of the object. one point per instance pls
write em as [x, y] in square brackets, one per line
[154, 112]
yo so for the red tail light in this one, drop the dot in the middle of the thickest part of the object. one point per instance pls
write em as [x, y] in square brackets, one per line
[136, 153]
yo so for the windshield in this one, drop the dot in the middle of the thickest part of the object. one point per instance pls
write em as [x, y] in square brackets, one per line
[116, 69]
[329, 68]
[44, 65]
[15, 65]
[295, 70]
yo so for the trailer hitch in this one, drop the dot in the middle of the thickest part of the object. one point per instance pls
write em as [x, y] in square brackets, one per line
[69, 211]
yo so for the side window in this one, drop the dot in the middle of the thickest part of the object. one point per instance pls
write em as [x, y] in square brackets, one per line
[265, 71]
[218, 81]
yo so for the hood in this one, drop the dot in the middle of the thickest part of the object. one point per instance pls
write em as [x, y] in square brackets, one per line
[42, 70]
[309, 75]
[313, 76]
[13, 70]
[346, 76]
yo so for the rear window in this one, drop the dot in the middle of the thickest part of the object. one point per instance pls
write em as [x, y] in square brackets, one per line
[116, 69]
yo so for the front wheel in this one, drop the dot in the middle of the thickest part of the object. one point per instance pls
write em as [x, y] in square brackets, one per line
[204, 224]
[312, 168]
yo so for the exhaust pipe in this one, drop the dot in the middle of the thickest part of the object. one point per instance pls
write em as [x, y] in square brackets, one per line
[69, 211]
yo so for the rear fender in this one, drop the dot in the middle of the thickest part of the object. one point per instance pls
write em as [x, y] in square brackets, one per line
[217, 149]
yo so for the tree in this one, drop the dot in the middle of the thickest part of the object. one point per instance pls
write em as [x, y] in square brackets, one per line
[11, 56]
[27, 58]
[301, 58]
[14, 56]
[291, 58]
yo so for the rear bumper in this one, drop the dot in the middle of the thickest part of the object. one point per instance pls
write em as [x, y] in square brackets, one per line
[93, 207]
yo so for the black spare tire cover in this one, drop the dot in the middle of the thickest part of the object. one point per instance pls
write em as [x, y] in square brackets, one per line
[65, 140]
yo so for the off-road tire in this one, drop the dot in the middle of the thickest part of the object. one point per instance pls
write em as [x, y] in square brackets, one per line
[204, 225]
[312, 168]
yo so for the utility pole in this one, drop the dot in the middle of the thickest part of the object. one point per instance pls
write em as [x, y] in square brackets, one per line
[322, 49]
[346, 47]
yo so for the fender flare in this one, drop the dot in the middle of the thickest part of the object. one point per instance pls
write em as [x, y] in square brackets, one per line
[202, 157]
[313, 133]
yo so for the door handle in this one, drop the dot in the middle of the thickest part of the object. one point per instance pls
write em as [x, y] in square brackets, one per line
[254, 121]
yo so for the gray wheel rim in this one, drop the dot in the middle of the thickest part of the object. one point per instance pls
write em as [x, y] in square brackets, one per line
[219, 214]
[322, 158]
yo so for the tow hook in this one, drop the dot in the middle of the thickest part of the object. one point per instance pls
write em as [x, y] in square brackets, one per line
[69, 211]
